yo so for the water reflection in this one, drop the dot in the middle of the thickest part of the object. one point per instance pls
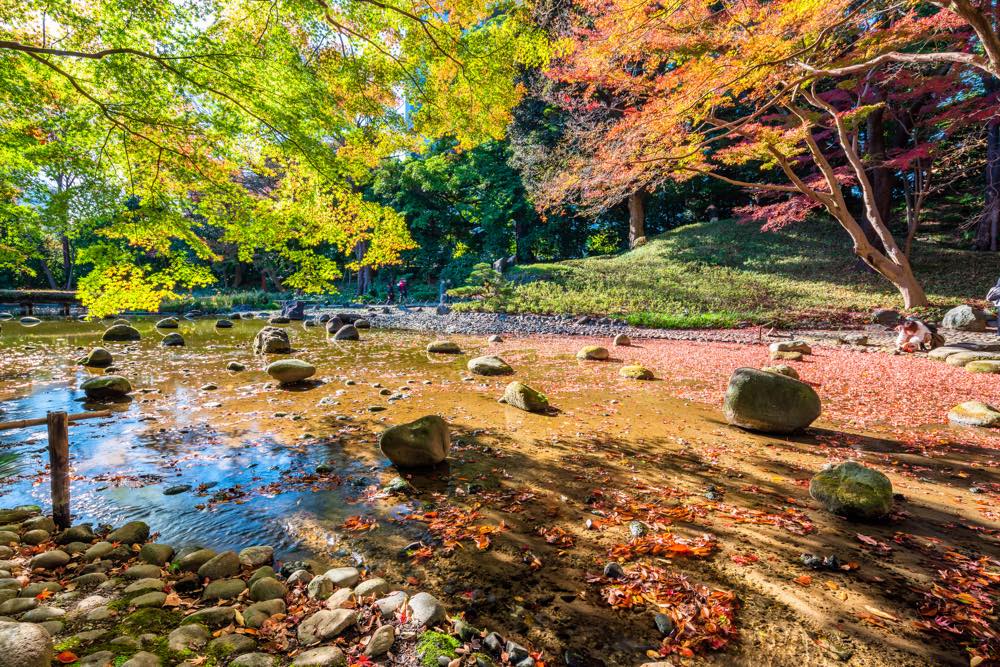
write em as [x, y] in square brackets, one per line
[240, 446]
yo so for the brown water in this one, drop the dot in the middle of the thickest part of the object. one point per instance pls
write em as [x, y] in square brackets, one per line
[251, 451]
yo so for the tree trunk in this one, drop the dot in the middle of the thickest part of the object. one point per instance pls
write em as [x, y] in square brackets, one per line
[237, 275]
[988, 228]
[896, 269]
[67, 259]
[636, 217]
[364, 271]
[48, 272]
[881, 177]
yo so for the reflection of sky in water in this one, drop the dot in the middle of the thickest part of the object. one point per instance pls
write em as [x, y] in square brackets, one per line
[173, 439]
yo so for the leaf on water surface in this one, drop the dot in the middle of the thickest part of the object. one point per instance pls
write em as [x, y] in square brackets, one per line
[359, 524]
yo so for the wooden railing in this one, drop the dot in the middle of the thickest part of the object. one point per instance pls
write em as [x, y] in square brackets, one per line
[58, 425]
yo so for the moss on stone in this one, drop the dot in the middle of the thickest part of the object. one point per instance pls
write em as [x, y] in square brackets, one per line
[68, 644]
[433, 645]
[152, 620]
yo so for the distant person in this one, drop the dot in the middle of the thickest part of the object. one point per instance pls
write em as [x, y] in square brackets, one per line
[916, 336]
[993, 296]
[391, 298]
[404, 290]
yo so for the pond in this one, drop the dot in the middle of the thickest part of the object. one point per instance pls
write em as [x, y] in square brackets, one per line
[516, 528]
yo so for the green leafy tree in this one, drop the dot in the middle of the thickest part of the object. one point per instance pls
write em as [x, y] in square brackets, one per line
[172, 104]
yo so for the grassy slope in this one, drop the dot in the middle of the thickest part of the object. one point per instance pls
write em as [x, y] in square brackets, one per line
[717, 274]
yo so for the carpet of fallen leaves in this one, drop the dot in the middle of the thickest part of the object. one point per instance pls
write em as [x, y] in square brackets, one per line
[874, 390]
[701, 618]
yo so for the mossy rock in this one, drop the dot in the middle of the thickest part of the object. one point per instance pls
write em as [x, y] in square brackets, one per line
[770, 403]
[443, 347]
[782, 355]
[525, 398]
[347, 332]
[635, 372]
[97, 358]
[290, 371]
[985, 366]
[173, 340]
[489, 365]
[168, 323]
[963, 358]
[417, 444]
[432, 645]
[974, 413]
[853, 490]
[150, 620]
[121, 332]
[106, 386]
[593, 353]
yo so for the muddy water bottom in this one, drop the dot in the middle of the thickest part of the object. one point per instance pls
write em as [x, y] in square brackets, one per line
[515, 530]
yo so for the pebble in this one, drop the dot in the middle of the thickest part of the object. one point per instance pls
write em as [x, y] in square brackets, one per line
[613, 571]
[381, 641]
[425, 609]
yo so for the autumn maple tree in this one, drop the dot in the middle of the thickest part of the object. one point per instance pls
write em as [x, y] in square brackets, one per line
[780, 89]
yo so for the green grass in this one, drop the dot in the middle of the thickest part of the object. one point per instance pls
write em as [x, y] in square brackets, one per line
[719, 274]
[222, 302]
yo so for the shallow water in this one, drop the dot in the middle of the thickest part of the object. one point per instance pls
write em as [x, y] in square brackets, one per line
[250, 451]
[173, 433]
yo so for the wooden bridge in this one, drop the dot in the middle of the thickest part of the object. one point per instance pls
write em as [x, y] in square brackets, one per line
[28, 299]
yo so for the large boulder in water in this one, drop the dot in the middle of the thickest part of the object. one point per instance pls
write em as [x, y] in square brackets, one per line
[106, 386]
[347, 332]
[525, 398]
[223, 324]
[769, 402]
[443, 347]
[593, 353]
[964, 318]
[418, 444]
[333, 324]
[853, 490]
[121, 332]
[294, 310]
[974, 413]
[635, 372]
[167, 323]
[489, 365]
[289, 371]
[272, 340]
[98, 358]
[172, 340]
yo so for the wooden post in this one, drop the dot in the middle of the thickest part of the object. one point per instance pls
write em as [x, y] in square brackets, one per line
[58, 423]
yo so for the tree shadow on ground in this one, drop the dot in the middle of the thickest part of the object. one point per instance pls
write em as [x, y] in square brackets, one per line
[548, 595]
